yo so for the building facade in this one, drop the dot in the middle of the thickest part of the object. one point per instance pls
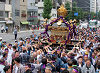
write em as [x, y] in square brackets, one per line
[24, 25]
[98, 5]
[84, 4]
[19, 9]
[6, 15]
[93, 6]
[40, 10]
[32, 13]
[40, 5]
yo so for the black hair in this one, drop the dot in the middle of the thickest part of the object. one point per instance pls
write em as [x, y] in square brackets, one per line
[74, 62]
[41, 47]
[64, 60]
[29, 48]
[17, 59]
[4, 54]
[44, 61]
[21, 38]
[37, 48]
[80, 57]
[29, 65]
[65, 71]
[16, 51]
[10, 44]
[98, 66]
[88, 47]
[4, 41]
[97, 48]
[14, 47]
[24, 51]
[54, 57]
[6, 68]
[70, 63]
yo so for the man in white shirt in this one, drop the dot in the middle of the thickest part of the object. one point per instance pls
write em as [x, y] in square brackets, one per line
[18, 67]
[7, 69]
[9, 58]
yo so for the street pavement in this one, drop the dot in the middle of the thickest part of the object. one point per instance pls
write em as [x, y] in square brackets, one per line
[9, 38]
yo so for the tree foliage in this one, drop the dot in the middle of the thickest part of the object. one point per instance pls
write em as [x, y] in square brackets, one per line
[73, 10]
[67, 6]
[47, 9]
[93, 15]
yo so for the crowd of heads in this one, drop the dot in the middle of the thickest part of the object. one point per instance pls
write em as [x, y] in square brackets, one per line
[31, 55]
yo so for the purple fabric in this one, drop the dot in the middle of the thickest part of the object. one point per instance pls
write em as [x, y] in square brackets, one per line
[75, 70]
[44, 66]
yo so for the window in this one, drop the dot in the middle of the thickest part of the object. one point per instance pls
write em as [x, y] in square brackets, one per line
[7, 14]
[2, 19]
[1, 13]
[36, 2]
[23, 13]
[53, 15]
[9, 1]
[31, 4]
[40, 7]
[38, 14]
[17, 12]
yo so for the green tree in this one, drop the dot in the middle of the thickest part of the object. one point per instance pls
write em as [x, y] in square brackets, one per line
[74, 7]
[86, 15]
[80, 13]
[78, 10]
[93, 15]
[74, 10]
[67, 6]
[47, 9]
[69, 16]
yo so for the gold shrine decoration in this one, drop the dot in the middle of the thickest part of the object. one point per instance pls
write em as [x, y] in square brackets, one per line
[62, 11]
[58, 36]
[58, 28]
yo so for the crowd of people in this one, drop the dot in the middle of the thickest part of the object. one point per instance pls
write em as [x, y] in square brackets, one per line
[4, 29]
[30, 55]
